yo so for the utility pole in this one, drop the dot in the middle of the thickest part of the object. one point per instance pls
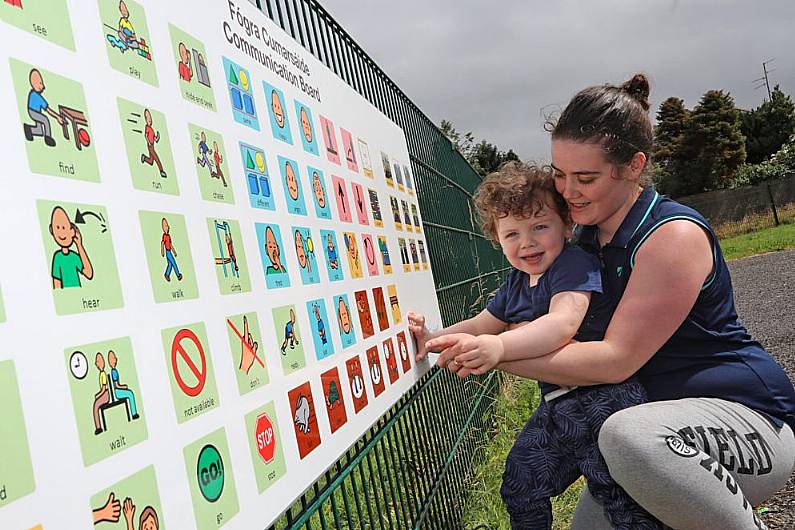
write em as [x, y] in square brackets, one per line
[765, 78]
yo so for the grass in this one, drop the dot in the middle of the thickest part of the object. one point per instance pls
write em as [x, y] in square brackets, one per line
[485, 510]
[773, 239]
[754, 222]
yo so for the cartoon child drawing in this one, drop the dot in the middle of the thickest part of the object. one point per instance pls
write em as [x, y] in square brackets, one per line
[306, 126]
[344, 316]
[317, 187]
[230, 249]
[300, 251]
[37, 107]
[152, 138]
[273, 252]
[353, 250]
[218, 159]
[333, 260]
[168, 251]
[103, 396]
[321, 326]
[203, 160]
[276, 107]
[120, 390]
[185, 71]
[68, 265]
[146, 521]
[126, 31]
[291, 180]
[289, 333]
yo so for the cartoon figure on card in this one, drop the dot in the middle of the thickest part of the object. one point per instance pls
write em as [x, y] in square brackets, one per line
[324, 347]
[292, 186]
[335, 405]
[347, 334]
[280, 124]
[375, 208]
[121, 391]
[38, 110]
[414, 257]
[395, 206]
[307, 128]
[274, 253]
[354, 260]
[387, 170]
[110, 393]
[322, 209]
[124, 38]
[391, 361]
[332, 255]
[168, 251]
[331, 252]
[385, 260]
[151, 137]
[307, 434]
[184, 67]
[406, 217]
[289, 333]
[365, 318]
[68, 265]
[305, 252]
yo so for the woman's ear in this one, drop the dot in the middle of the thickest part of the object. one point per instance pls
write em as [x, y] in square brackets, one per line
[636, 165]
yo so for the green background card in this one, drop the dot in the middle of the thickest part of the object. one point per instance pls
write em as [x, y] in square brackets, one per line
[267, 455]
[144, 170]
[212, 483]
[117, 418]
[137, 496]
[214, 181]
[174, 288]
[129, 54]
[196, 86]
[251, 368]
[292, 351]
[48, 20]
[232, 275]
[190, 370]
[64, 97]
[16, 471]
[103, 290]
[2, 308]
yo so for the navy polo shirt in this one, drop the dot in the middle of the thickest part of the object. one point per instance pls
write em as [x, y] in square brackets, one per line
[573, 270]
[711, 354]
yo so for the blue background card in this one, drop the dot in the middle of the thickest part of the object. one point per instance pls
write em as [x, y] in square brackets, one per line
[318, 183]
[305, 252]
[306, 128]
[258, 183]
[271, 252]
[345, 320]
[241, 94]
[291, 182]
[333, 255]
[318, 320]
[277, 110]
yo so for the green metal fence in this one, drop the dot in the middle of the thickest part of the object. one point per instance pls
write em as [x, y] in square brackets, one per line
[410, 469]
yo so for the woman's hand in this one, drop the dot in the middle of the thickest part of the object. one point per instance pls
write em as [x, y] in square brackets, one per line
[420, 331]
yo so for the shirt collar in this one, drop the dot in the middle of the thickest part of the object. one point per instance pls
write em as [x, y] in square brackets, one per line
[639, 212]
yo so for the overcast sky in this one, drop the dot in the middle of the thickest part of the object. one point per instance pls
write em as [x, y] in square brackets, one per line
[498, 67]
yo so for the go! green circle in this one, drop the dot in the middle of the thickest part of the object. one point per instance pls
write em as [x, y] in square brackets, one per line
[210, 473]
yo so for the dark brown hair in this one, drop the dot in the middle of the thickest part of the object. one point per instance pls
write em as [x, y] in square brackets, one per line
[517, 189]
[616, 117]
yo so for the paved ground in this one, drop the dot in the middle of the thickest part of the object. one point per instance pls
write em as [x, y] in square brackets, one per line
[764, 289]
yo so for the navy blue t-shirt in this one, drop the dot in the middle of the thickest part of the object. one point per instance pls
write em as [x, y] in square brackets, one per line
[573, 270]
[711, 354]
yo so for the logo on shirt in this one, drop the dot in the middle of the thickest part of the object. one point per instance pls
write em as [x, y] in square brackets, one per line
[619, 271]
[678, 446]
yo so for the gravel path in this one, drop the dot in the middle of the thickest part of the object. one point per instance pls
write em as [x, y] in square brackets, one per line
[764, 287]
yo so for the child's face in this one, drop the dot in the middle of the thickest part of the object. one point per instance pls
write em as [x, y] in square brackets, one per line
[532, 244]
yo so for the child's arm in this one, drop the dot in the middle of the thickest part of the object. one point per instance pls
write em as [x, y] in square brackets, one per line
[543, 335]
[484, 323]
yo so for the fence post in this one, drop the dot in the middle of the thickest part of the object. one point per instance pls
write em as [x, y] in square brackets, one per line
[772, 205]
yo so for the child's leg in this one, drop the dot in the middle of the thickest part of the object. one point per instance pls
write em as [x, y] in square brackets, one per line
[535, 470]
[597, 404]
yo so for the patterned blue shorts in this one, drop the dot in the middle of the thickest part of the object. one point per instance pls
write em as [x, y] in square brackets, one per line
[557, 445]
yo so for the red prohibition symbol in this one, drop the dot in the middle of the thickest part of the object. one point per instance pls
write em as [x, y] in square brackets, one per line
[200, 372]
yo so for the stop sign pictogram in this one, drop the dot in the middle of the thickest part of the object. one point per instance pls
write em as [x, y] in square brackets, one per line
[265, 438]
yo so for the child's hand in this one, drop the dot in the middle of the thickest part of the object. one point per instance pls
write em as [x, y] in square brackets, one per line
[421, 333]
[480, 354]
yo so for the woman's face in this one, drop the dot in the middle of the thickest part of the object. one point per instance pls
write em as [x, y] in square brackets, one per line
[591, 185]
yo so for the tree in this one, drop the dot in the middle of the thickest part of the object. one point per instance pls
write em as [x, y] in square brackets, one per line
[769, 126]
[713, 146]
[483, 156]
[673, 119]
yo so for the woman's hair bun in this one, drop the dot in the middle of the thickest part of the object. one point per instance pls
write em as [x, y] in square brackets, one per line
[638, 88]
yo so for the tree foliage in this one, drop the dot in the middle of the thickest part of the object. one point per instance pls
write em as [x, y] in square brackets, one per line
[483, 156]
[769, 126]
[673, 119]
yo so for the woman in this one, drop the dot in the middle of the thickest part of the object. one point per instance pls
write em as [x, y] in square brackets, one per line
[717, 436]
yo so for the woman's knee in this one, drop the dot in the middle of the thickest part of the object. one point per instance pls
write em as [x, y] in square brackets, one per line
[629, 436]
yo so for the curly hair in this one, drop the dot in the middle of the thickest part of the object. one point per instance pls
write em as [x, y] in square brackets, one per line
[516, 189]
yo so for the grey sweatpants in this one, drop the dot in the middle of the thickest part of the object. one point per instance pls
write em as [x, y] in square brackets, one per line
[695, 463]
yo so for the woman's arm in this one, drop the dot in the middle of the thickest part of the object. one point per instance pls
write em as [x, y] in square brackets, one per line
[670, 269]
